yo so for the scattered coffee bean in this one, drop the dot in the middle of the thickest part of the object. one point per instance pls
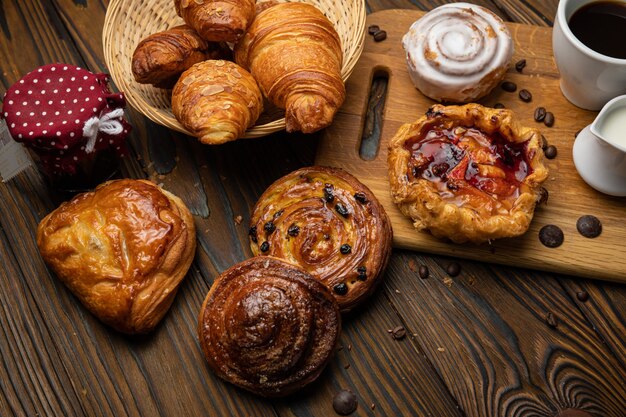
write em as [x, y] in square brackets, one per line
[293, 230]
[269, 227]
[549, 119]
[398, 333]
[265, 246]
[328, 193]
[362, 273]
[551, 236]
[341, 289]
[423, 272]
[453, 269]
[540, 114]
[582, 296]
[341, 209]
[550, 152]
[344, 402]
[380, 36]
[360, 197]
[520, 65]
[498, 106]
[544, 142]
[552, 320]
[525, 96]
[509, 86]
[373, 29]
[345, 249]
[543, 196]
[589, 226]
[252, 234]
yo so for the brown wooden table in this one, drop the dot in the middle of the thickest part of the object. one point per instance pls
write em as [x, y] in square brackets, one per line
[477, 345]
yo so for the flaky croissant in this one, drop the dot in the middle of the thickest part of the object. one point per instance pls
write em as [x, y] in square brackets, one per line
[160, 58]
[216, 101]
[218, 21]
[294, 53]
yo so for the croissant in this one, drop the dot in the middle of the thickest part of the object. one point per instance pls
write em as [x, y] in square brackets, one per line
[295, 54]
[268, 326]
[122, 249]
[160, 58]
[218, 21]
[216, 101]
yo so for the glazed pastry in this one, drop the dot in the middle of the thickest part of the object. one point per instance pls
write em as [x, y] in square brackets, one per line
[458, 52]
[160, 58]
[217, 21]
[467, 173]
[216, 101]
[268, 326]
[327, 222]
[122, 249]
[294, 53]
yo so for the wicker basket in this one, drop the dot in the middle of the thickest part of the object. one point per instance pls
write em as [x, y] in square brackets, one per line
[129, 21]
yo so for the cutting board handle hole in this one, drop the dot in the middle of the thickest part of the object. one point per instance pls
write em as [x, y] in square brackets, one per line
[373, 121]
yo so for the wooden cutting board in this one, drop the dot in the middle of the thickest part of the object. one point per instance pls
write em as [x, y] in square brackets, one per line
[569, 196]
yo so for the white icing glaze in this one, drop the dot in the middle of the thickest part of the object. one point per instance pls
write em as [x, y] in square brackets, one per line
[457, 52]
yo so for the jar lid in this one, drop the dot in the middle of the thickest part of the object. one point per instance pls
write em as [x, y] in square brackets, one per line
[65, 113]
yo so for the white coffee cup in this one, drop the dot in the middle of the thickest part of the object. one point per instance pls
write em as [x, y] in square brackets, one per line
[588, 79]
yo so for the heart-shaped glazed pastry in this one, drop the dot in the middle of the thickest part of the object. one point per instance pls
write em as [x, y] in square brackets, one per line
[122, 249]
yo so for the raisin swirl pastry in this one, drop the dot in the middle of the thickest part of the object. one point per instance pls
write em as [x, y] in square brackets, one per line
[268, 326]
[327, 222]
[467, 173]
[122, 249]
[458, 52]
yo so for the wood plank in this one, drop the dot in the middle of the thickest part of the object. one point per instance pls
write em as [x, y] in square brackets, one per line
[570, 197]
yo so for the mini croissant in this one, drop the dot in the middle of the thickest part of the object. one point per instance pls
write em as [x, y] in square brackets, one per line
[294, 53]
[218, 21]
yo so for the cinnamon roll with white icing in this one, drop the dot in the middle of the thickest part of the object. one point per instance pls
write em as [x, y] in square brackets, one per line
[458, 52]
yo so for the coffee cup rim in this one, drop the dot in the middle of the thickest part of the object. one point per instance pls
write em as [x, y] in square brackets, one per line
[581, 46]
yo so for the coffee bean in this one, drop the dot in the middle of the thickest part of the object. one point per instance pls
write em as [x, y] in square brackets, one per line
[525, 96]
[453, 269]
[345, 249]
[540, 114]
[373, 29]
[509, 86]
[543, 196]
[544, 142]
[398, 333]
[423, 272]
[380, 36]
[550, 152]
[498, 106]
[589, 226]
[265, 246]
[341, 289]
[549, 119]
[360, 197]
[551, 236]
[520, 65]
[552, 320]
[344, 402]
[582, 296]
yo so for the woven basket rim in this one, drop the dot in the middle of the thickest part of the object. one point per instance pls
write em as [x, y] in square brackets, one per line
[120, 76]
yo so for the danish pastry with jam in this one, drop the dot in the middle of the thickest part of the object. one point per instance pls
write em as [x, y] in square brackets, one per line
[467, 173]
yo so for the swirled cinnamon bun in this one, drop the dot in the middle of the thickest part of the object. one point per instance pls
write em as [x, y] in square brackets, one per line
[122, 249]
[268, 326]
[467, 173]
[330, 224]
[458, 52]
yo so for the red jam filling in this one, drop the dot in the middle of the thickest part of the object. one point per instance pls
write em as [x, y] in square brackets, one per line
[469, 167]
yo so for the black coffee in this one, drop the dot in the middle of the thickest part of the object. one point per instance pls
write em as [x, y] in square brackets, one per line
[601, 26]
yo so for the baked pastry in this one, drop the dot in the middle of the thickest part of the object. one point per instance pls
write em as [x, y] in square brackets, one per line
[268, 326]
[458, 52]
[160, 58]
[216, 101]
[295, 54]
[217, 21]
[327, 222]
[467, 173]
[122, 249]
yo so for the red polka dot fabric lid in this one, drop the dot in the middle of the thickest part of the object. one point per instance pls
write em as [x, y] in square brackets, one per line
[65, 114]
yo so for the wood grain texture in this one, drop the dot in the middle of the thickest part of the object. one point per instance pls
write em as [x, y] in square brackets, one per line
[56, 359]
[569, 198]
